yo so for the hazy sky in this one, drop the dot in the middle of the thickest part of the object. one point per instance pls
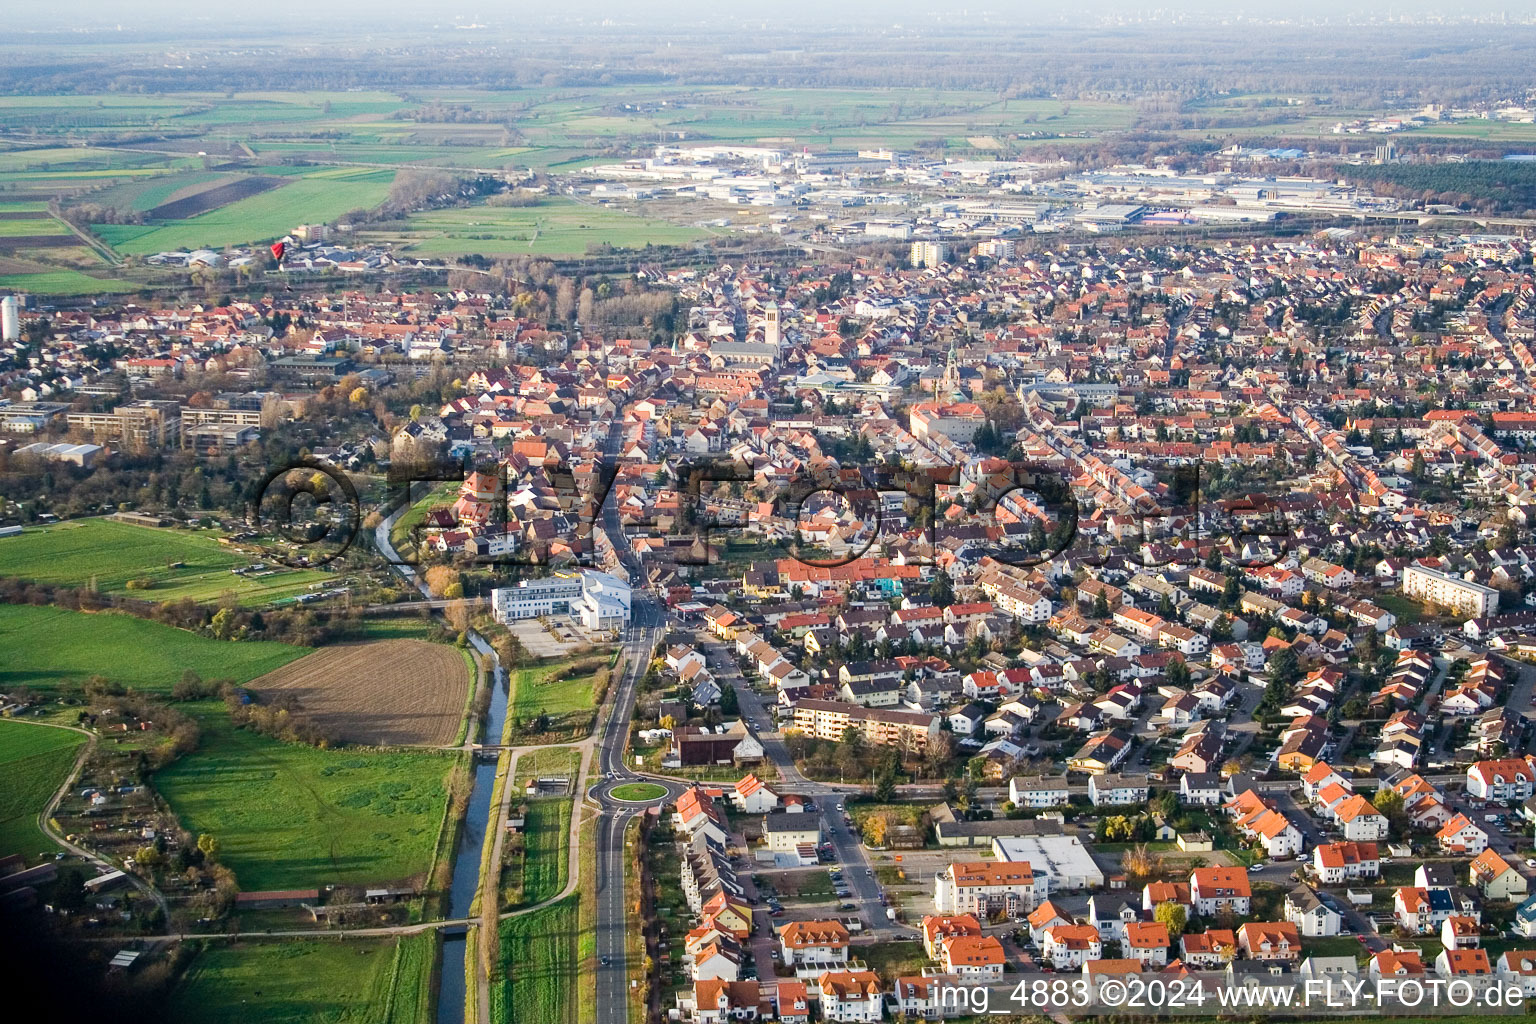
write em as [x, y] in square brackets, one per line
[287, 15]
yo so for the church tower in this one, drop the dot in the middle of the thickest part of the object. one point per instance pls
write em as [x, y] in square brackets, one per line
[951, 384]
[771, 323]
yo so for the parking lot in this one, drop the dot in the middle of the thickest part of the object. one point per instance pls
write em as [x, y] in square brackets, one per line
[543, 642]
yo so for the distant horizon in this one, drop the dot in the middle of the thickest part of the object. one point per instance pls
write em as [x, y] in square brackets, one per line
[282, 16]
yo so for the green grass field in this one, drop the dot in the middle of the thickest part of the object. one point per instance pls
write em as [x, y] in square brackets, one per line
[543, 689]
[47, 646]
[179, 563]
[392, 627]
[1491, 131]
[404, 534]
[547, 762]
[639, 791]
[1407, 610]
[547, 835]
[891, 960]
[70, 158]
[557, 227]
[410, 983]
[314, 196]
[1341, 945]
[294, 817]
[309, 981]
[537, 976]
[55, 281]
[39, 225]
[34, 760]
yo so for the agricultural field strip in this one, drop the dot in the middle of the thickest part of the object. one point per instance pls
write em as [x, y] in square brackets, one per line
[358, 981]
[389, 692]
[320, 195]
[547, 839]
[538, 969]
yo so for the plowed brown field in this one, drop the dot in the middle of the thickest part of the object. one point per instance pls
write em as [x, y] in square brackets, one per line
[391, 691]
[190, 204]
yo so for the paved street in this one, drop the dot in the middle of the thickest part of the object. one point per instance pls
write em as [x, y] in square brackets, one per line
[857, 871]
[647, 627]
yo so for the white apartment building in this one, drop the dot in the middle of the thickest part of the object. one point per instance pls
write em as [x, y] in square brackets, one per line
[1505, 780]
[981, 887]
[1449, 591]
[1067, 945]
[851, 996]
[1038, 791]
[929, 254]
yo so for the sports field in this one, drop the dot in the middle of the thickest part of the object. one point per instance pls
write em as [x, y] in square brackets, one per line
[309, 981]
[291, 816]
[177, 564]
[34, 761]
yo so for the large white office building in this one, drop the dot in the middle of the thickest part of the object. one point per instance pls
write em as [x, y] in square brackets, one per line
[598, 600]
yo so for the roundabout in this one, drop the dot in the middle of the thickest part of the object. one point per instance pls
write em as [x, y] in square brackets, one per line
[638, 792]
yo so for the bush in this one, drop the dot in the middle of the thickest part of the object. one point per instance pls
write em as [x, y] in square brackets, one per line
[284, 719]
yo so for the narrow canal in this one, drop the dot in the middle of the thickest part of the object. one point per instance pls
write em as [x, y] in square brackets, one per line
[466, 862]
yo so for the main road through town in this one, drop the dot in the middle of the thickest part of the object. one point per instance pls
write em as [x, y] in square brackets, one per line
[647, 628]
